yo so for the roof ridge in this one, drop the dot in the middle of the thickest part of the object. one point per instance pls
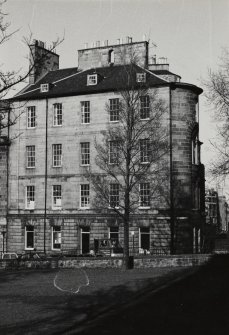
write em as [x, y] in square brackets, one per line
[66, 68]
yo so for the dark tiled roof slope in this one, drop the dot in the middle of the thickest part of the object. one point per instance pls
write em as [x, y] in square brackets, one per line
[74, 82]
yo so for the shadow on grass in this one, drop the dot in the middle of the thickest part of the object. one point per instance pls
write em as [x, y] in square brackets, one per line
[197, 304]
[60, 313]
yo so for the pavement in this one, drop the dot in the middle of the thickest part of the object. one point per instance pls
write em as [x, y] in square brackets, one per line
[70, 301]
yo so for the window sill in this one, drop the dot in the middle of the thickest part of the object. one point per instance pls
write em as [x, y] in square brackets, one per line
[146, 119]
[85, 123]
[57, 125]
[117, 121]
[59, 166]
[30, 167]
[83, 165]
[146, 207]
[84, 208]
[56, 208]
[31, 127]
[29, 248]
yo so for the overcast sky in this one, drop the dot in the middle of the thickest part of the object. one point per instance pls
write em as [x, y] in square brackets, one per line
[189, 33]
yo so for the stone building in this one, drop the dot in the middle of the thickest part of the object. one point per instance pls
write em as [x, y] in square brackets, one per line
[63, 111]
[223, 213]
[216, 210]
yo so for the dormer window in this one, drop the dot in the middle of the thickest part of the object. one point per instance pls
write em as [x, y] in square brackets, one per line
[140, 77]
[44, 88]
[92, 79]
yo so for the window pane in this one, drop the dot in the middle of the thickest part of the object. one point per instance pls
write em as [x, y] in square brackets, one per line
[30, 197]
[141, 77]
[144, 195]
[85, 112]
[92, 79]
[85, 153]
[57, 114]
[114, 233]
[144, 107]
[114, 109]
[114, 195]
[30, 152]
[57, 154]
[113, 152]
[84, 195]
[56, 238]
[57, 199]
[31, 117]
[144, 150]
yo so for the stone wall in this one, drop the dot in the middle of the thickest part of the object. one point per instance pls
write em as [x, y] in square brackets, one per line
[139, 262]
[123, 54]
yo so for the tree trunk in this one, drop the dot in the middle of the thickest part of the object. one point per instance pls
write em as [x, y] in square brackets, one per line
[126, 258]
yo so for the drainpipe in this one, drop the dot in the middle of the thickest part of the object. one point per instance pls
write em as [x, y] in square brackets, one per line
[46, 169]
[7, 179]
[171, 171]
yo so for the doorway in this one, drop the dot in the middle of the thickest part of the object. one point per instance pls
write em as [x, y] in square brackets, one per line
[144, 239]
[85, 240]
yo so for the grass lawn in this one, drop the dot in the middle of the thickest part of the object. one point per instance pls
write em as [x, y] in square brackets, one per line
[52, 301]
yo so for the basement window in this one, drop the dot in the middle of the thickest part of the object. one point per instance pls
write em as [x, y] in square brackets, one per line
[44, 88]
[92, 79]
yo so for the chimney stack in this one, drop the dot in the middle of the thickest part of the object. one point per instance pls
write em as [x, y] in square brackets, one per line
[41, 61]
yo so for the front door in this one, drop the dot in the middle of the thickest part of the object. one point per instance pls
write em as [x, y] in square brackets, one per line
[145, 239]
[85, 240]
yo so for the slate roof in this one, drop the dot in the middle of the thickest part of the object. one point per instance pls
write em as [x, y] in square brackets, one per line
[71, 81]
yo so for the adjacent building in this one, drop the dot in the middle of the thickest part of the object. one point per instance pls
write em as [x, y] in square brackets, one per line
[46, 201]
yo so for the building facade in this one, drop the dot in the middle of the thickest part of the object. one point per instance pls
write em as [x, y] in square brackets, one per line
[49, 203]
[216, 210]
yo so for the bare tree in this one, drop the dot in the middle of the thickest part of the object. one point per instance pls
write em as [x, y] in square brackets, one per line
[9, 79]
[130, 154]
[217, 94]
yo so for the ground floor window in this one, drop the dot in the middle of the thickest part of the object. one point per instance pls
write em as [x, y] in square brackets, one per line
[56, 238]
[144, 239]
[114, 234]
[29, 237]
